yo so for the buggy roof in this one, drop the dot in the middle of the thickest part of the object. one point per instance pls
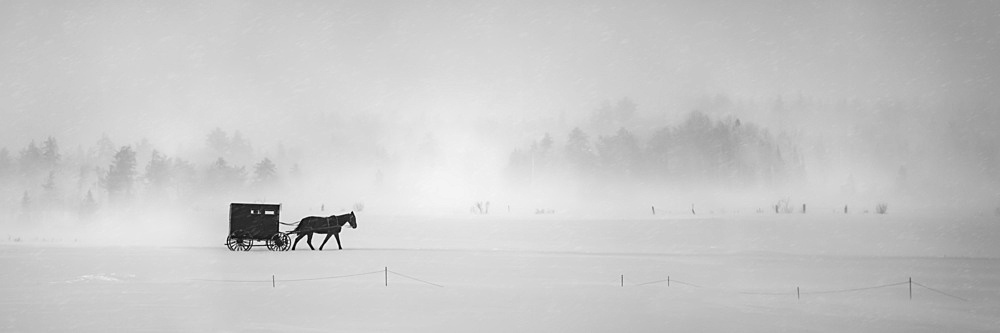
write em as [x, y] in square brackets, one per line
[255, 205]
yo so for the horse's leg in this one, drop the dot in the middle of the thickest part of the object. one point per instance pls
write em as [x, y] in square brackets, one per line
[297, 240]
[337, 235]
[324, 241]
[309, 240]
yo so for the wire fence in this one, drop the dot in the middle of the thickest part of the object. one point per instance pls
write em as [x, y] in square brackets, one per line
[416, 279]
[329, 277]
[798, 292]
[289, 280]
[274, 280]
[851, 290]
[941, 292]
[668, 281]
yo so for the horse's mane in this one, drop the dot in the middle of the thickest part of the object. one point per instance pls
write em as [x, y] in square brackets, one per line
[336, 218]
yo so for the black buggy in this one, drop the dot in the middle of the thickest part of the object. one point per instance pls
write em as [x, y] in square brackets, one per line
[255, 222]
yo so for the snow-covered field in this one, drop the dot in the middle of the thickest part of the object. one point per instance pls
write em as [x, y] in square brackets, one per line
[528, 273]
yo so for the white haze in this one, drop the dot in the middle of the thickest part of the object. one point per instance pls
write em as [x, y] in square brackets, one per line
[435, 96]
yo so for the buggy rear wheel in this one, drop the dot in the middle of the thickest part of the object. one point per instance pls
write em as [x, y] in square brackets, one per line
[235, 243]
[279, 242]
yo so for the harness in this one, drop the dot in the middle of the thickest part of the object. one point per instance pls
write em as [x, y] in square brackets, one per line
[334, 218]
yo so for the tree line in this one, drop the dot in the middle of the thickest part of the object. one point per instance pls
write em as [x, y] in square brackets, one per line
[719, 152]
[43, 177]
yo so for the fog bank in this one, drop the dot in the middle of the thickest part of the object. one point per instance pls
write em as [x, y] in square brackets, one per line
[428, 107]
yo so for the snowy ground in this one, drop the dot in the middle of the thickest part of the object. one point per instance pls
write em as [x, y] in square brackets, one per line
[531, 273]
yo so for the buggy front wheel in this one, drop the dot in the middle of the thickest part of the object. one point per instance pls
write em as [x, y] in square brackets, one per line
[279, 242]
[238, 243]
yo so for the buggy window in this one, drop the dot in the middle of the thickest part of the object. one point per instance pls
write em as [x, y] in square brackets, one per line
[263, 212]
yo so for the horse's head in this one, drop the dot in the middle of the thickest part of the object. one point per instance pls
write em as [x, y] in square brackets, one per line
[353, 220]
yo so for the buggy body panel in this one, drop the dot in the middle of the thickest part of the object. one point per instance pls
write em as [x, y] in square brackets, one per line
[253, 221]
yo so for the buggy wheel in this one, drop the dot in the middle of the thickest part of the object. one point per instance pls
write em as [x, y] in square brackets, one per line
[279, 242]
[238, 243]
[231, 243]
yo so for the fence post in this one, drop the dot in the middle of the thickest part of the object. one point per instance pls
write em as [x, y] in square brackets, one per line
[798, 293]
[911, 288]
[272, 280]
[668, 280]
[386, 276]
[623, 280]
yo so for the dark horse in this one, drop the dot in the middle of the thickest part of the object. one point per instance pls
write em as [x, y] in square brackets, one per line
[330, 225]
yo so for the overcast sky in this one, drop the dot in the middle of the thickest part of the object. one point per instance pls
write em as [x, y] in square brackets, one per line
[172, 70]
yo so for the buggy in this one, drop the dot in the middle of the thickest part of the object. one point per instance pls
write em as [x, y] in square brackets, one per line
[255, 222]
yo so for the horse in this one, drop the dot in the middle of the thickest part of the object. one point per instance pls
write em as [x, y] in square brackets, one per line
[330, 225]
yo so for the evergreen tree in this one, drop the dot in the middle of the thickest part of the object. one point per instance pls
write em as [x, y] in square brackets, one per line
[218, 142]
[520, 166]
[50, 153]
[6, 164]
[50, 183]
[693, 155]
[546, 144]
[224, 177]
[578, 149]
[31, 159]
[619, 154]
[26, 202]
[625, 109]
[83, 177]
[615, 114]
[533, 163]
[658, 152]
[158, 175]
[239, 147]
[50, 192]
[121, 174]
[265, 172]
[185, 177]
[143, 148]
[105, 148]
[88, 206]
